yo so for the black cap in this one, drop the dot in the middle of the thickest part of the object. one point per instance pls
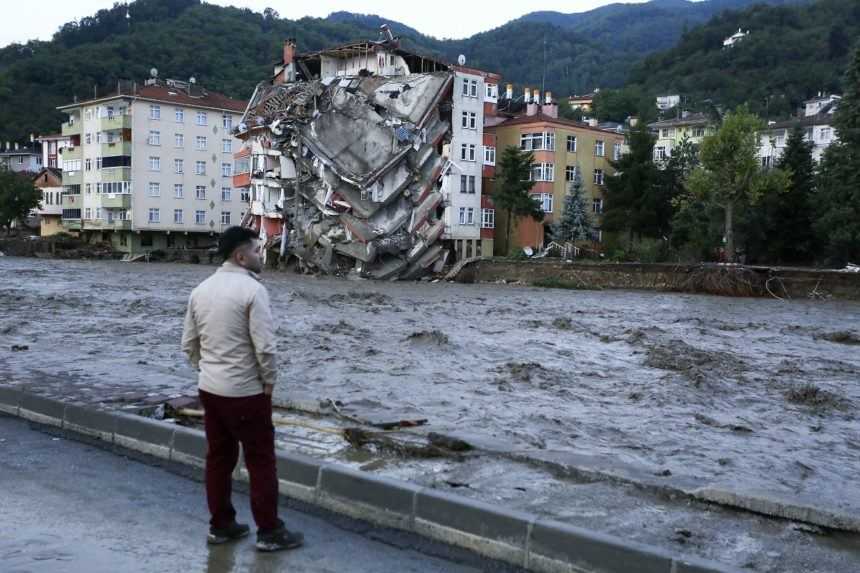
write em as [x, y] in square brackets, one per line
[233, 238]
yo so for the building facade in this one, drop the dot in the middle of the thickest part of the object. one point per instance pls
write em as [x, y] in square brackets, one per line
[563, 150]
[19, 158]
[48, 215]
[51, 146]
[151, 167]
[816, 121]
[692, 127]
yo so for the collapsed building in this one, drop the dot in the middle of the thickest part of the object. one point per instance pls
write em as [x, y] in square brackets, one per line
[345, 159]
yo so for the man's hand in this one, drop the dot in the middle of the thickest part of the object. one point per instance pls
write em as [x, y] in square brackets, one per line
[268, 388]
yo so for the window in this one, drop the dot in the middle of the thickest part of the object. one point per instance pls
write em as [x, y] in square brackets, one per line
[178, 191]
[825, 133]
[660, 153]
[98, 162]
[667, 133]
[72, 166]
[201, 143]
[155, 189]
[99, 188]
[467, 184]
[88, 138]
[467, 215]
[766, 161]
[225, 217]
[542, 172]
[154, 163]
[538, 141]
[491, 91]
[199, 217]
[226, 194]
[180, 115]
[178, 140]
[177, 216]
[88, 114]
[597, 206]
[227, 146]
[200, 192]
[200, 168]
[544, 201]
[226, 170]
[616, 151]
[154, 112]
[467, 152]
[98, 137]
[571, 144]
[98, 213]
[698, 132]
[470, 120]
[473, 88]
[465, 87]
[227, 121]
[488, 218]
[89, 188]
[489, 155]
[244, 195]
[155, 215]
[201, 118]
[570, 173]
[178, 165]
[599, 148]
[598, 176]
[88, 213]
[88, 165]
[154, 138]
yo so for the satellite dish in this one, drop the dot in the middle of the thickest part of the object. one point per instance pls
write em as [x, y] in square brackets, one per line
[153, 73]
[461, 59]
[192, 80]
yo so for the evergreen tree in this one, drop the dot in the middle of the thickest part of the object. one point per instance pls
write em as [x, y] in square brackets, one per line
[636, 202]
[17, 197]
[838, 199]
[574, 224]
[789, 222]
[511, 195]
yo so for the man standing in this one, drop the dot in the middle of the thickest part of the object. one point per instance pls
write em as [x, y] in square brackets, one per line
[229, 337]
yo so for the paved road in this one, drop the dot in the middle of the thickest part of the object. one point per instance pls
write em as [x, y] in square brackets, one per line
[66, 506]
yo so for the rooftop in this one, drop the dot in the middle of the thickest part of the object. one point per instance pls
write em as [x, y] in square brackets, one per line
[809, 121]
[542, 118]
[692, 119]
[169, 91]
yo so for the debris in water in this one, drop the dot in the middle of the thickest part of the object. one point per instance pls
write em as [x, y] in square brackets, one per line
[428, 337]
[20, 347]
[813, 396]
[841, 337]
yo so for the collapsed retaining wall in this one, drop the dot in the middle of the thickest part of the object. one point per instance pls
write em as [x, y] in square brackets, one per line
[732, 280]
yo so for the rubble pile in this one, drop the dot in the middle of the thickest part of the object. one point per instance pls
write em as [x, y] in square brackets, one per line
[356, 167]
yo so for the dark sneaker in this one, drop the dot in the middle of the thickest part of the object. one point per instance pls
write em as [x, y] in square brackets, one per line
[279, 540]
[232, 532]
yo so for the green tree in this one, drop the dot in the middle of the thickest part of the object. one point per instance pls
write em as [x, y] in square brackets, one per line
[636, 202]
[838, 215]
[789, 215]
[730, 173]
[513, 174]
[17, 197]
[574, 223]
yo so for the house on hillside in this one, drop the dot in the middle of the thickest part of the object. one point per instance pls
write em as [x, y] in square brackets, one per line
[735, 38]
[816, 120]
[671, 132]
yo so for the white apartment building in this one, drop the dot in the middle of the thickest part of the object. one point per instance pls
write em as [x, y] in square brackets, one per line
[816, 122]
[150, 167]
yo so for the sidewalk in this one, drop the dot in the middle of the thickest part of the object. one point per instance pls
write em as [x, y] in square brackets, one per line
[118, 514]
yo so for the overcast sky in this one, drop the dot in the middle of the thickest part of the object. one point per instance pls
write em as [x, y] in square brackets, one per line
[39, 19]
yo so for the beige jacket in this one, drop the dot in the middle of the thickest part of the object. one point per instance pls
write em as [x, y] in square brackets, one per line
[229, 333]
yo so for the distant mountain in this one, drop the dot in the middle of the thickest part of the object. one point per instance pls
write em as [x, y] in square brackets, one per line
[643, 28]
[792, 52]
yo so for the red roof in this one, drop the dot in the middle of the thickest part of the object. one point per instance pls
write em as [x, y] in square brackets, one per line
[541, 118]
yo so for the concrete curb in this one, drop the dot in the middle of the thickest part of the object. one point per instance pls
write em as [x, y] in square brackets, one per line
[518, 538]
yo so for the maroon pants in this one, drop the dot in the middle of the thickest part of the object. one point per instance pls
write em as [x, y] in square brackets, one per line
[229, 422]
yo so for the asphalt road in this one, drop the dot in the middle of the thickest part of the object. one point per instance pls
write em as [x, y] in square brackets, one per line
[67, 506]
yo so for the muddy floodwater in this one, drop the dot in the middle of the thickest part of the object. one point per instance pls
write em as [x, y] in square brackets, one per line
[752, 396]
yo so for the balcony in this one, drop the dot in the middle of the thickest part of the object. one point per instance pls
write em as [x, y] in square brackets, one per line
[116, 201]
[116, 148]
[72, 153]
[115, 122]
[96, 224]
[72, 177]
[69, 129]
[72, 201]
[72, 224]
[115, 174]
[120, 224]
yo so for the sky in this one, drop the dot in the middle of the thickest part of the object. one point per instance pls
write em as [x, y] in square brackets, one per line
[39, 19]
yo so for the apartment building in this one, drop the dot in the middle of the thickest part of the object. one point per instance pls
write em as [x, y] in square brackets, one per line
[816, 121]
[693, 127]
[150, 167]
[562, 150]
